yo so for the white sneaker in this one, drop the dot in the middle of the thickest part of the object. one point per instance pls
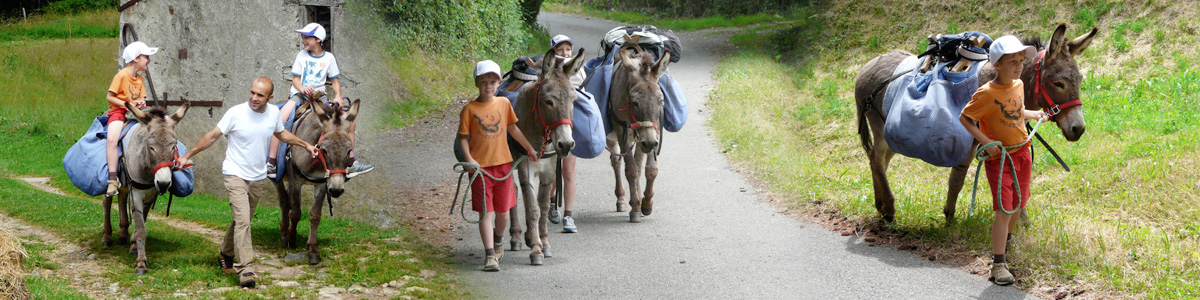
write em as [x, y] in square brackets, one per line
[271, 171]
[569, 225]
[554, 217]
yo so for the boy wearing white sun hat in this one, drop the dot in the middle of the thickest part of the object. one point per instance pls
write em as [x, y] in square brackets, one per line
[999, 109]
[126, 86]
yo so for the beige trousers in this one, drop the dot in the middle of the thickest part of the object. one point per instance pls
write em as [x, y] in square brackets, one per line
[243, 199]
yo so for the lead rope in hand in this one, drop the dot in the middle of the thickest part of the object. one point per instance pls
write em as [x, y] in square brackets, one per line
[461, 169]
[982, 155]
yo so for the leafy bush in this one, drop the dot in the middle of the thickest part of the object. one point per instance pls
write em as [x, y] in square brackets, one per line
[693, 8]
[75, 6]
[462, 29]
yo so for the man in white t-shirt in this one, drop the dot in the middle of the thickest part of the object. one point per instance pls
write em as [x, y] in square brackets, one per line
[248, 128]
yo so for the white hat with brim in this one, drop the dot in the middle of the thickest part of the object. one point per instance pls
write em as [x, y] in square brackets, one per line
[559, 39]
[135, 49]
[485, 67]
[1008, 45]
[313, 30]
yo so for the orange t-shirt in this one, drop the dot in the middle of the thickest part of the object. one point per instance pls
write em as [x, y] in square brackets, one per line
[999, 110]
[128, 88]
[486, 123]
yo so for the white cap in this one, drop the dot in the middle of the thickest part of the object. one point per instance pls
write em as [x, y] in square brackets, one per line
[559, 39]
[135, 49]
[485, 67]
[1008, 45]
[313, 30]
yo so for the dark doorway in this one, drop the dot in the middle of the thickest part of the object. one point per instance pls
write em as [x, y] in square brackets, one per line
[322, 15]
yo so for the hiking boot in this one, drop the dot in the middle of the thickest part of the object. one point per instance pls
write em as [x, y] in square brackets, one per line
[569, 225]
[358, 169]
[113, 186]
[492, 264]
[1001, 275]
[554, 217]
[271, 171]
[499, 251]
[246, 280]
[226, 263]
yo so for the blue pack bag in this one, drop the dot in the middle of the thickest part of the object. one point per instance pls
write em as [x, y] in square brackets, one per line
[86, 162]
[922, 112]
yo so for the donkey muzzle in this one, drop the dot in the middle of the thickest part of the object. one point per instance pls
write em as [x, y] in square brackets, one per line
[162, 179]
[335, 184]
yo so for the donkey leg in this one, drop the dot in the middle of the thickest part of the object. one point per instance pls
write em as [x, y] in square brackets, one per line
[885, 201]
[958, 174]
[139, 231]
[106, 229]
[545, 189]
[531, 208]
[514, 226]
[633, 169]
[651, 174]
[296, 211]
[615, 160]
[314, 220]
[123, 211]
[284, 207]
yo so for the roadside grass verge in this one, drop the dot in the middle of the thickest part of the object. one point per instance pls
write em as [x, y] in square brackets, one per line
[88, 24]
[672, 23]
[58, 88]
[1124, 220]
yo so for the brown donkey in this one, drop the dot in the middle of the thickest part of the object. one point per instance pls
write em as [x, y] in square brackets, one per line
[544, 110]
[1052, 84]
[635, 108]
[324, 127]
[149, 154]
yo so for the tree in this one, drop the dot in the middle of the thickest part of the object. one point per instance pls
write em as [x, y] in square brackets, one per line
[529, 10]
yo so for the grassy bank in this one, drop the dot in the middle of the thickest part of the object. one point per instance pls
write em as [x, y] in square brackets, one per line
[1124, 220]
[86, 24]
[57, 86]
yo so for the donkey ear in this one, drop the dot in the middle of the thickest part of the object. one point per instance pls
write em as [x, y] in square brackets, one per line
[140, 115]
[179, 113]
[548, 63]
[627, 60]
[318, 109]
[576, 63]
[660, 67]
[353, 113]
[1077, 45]
[1058, 43]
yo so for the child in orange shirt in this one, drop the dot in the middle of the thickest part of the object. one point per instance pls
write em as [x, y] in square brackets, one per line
[126, 87]
[999, 107]
[482, 128]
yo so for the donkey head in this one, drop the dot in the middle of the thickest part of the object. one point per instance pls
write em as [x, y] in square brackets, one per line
[1061, 80]
[336, 141]
[645, 97]
[159, 144]
[556, 98]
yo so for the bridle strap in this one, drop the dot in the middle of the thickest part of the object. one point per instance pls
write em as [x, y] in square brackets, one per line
[546, 128]
[1040, 92]
[321, 159]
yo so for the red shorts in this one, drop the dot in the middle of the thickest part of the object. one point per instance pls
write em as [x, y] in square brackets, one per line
[115, 115]
[501, 195]
[1024, 164]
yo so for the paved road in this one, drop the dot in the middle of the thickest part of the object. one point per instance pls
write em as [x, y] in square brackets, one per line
[706, 238]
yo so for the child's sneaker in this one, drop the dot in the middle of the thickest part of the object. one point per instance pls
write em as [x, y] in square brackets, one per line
[554, 217]
[271, 171]
[113, 187]
[493, 264]
[1001, 275]
[358, 169]
[569, 225]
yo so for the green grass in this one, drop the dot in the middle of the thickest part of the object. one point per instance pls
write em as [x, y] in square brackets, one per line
[1124, 219]
[90, 24]
[57, 87]
[42, 288]
[672, 23]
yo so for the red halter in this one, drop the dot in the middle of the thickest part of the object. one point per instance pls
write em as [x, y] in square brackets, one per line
[172, 165]
[1040, 92]
[636, 124]
[547, 128]
[321, 159]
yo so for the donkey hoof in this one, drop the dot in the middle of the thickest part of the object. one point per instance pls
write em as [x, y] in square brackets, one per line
[621, 207]
[546, 253]
[646, 208]
[314, 258]
[107, 243]
[536, 259]
[635, 217]
[514, 245]
[141, 271]
[889, 219]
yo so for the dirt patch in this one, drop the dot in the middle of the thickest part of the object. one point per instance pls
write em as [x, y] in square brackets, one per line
[77, 265]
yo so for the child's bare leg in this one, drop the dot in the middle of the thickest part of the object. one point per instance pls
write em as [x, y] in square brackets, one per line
[114, 136]
[501, 223]
[1000, 229]
[485, 230]
[568, 184]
